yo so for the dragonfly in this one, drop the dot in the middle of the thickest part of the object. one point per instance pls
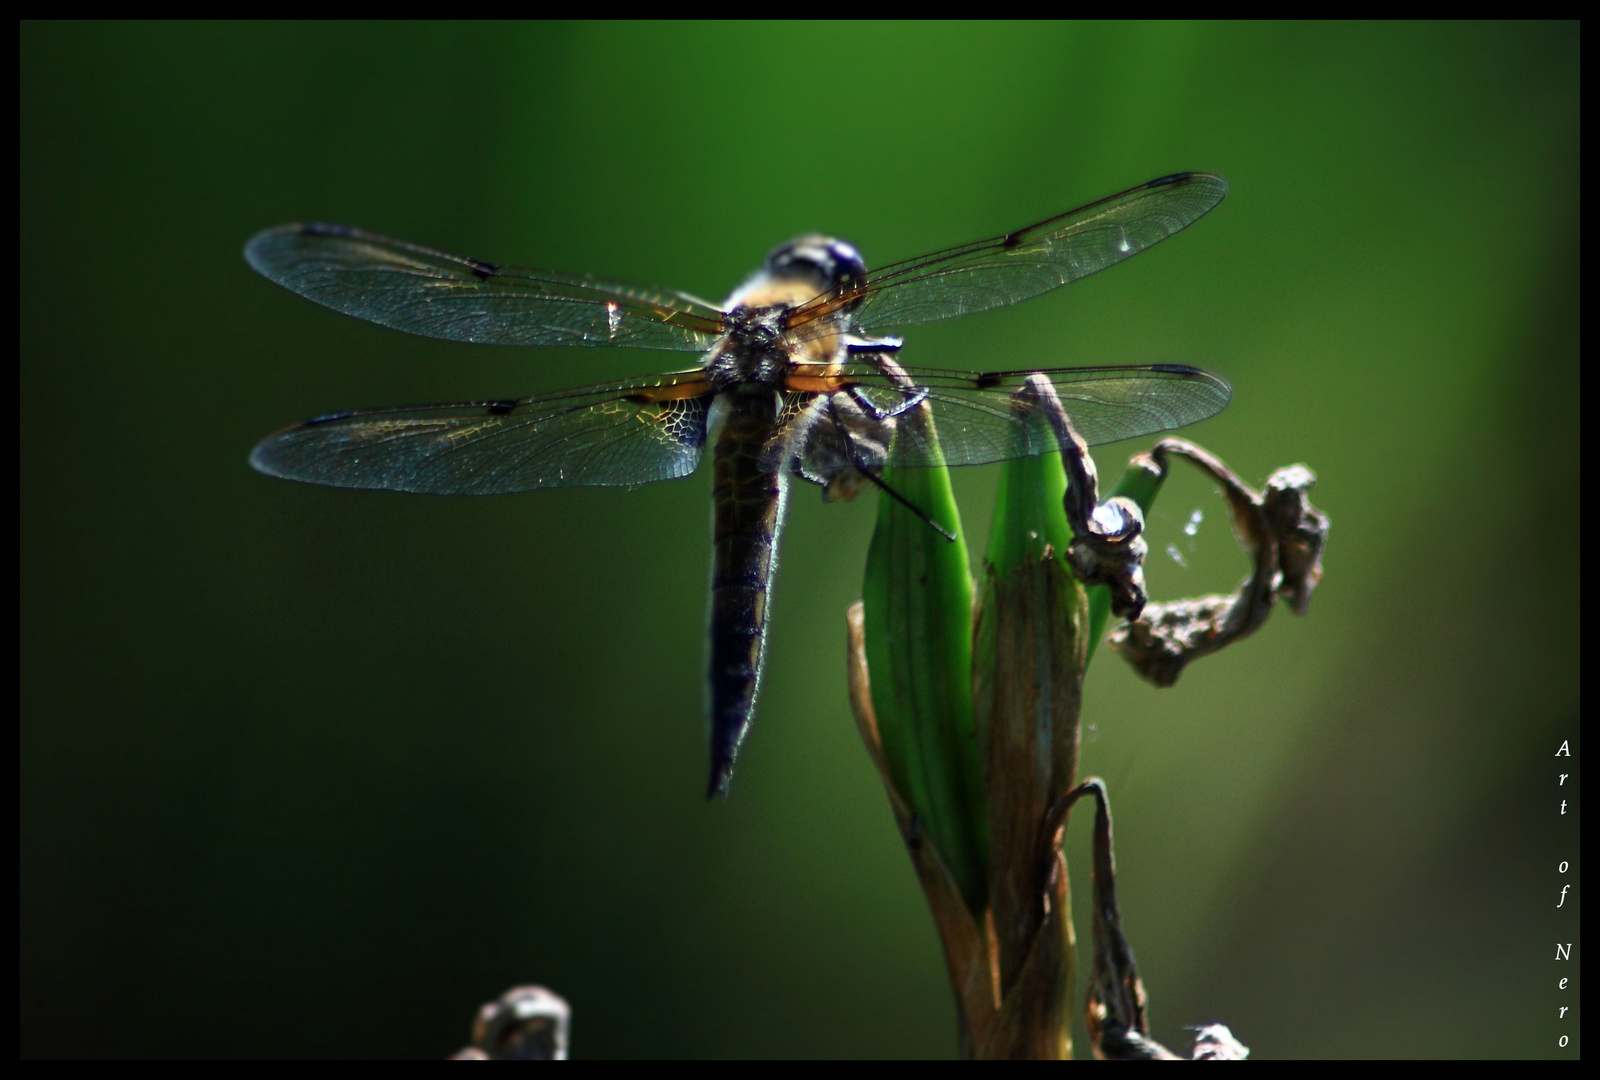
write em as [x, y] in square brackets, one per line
[796, 379]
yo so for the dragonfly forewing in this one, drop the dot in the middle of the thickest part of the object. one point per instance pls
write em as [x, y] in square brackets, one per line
[1005, 269]
[409, 287]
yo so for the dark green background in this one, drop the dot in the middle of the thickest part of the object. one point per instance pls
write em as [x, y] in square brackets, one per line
[314, 772]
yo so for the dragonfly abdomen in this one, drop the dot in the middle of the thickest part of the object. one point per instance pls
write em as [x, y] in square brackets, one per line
[747, 509]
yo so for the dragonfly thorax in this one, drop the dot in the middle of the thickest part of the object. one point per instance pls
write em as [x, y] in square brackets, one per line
[757, 345]
[753, 349]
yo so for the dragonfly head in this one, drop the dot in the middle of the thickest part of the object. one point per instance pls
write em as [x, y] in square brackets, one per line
[819, 260]
[798, 271]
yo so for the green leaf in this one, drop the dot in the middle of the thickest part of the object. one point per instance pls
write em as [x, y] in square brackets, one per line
[917, 602]
[1028, 663]
[1029, 512]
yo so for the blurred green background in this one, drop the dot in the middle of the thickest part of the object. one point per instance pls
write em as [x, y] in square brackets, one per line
[315, 772]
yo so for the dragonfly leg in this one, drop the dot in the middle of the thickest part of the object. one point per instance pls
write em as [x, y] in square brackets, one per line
[912, 398]
[879, 346]
[869, 471]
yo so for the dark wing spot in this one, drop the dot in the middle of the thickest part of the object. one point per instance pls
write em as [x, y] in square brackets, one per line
[483, 269]
[1011, 241]
[324, 228]
[1175, 369]
[1167, 181]
[501, 408]
[986, 380]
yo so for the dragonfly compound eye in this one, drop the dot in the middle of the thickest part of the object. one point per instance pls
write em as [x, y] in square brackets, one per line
[823, 259]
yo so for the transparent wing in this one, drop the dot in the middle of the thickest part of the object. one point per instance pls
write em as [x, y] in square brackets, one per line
[607, 436]
[1005, 269]
[435, 294]
[979, 420]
